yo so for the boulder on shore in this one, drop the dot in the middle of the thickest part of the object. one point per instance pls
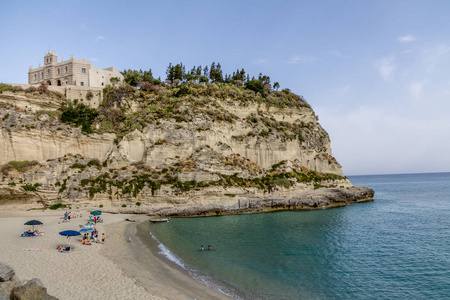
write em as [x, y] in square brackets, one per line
[12, 288]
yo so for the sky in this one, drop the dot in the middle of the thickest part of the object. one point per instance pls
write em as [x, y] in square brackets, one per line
[377, 73]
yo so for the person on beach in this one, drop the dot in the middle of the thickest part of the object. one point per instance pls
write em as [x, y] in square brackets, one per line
[103, 238]
[209, 247]
[130, 239]
[201, 247]
[68, 217]
[65, 217]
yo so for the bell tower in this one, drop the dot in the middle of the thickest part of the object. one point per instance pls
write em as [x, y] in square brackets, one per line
[50, 58]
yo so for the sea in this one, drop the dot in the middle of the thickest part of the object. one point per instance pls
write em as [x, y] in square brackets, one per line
[396, 247]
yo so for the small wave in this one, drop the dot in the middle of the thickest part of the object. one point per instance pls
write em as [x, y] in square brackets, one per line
[168, 254]
[205, 280]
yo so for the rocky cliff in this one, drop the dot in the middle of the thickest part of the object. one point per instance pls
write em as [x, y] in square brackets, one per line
[218, 149]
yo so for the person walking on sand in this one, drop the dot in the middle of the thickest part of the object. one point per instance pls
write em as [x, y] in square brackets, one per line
[103, 238]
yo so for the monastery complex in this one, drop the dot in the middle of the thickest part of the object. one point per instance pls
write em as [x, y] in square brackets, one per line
[74, 78]
[77, 72]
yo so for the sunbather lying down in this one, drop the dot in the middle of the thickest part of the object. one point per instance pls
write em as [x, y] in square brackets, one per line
[32, 233]
[63, 248]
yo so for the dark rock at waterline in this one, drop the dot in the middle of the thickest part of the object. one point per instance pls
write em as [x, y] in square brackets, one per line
[308, 200]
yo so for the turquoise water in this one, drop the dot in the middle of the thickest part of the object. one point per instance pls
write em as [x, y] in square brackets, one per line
[395, 247]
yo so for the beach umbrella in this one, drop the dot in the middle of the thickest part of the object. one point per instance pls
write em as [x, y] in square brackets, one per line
[96, 213]
[86, 230]
[33, 222]
[69, 233]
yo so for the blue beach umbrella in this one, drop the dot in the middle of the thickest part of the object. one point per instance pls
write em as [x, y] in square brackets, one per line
[86, 230]
[68, 233]
[96, 213]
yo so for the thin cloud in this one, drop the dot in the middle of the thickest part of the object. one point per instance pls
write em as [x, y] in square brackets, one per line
[100, 37]
[299, 59]
[259, 61]
[386, 67]
[342, 90]
[336, 53]
[84, 27]
[407, 38]
[415, 89]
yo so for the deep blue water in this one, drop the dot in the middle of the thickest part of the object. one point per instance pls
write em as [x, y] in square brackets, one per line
[397, 246]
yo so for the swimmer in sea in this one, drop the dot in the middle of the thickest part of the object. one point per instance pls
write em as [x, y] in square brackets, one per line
[201, 247]
[209, 247]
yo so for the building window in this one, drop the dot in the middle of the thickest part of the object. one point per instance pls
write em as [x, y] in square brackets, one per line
[35, 76]
[59, 72]
[66, 69]
[83, 70]
[42, 75]
[82, 83]
[48, 72]
[103, 84]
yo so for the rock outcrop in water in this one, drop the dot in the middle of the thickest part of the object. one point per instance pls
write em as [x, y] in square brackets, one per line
[215, 150]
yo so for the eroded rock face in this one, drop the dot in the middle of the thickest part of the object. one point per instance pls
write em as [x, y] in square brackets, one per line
[26, 136]
[258, 155]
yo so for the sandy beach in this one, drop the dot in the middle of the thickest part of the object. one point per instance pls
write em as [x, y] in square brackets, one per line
[116, 269]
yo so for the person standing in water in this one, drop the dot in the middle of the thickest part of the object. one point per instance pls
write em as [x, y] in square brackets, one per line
[209, 247]
[201, 247]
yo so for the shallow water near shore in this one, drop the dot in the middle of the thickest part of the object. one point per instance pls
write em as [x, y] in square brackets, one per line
[394, 247]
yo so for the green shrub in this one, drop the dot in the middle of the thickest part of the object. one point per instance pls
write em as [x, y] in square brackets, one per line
[78, 166]
[23, 166]
[230, 195]
[80, 115]
[52, 114]
[12, 183]
[5, 87]
[30, 188]
[89, 95]
[101, 205]
[318, 186]
[263, 133]
[58, 205]
[124, 205]
[138, 203]
[255, 85]
[94, 162]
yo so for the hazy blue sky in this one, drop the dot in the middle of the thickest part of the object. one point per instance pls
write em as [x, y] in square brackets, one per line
[376, 72]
